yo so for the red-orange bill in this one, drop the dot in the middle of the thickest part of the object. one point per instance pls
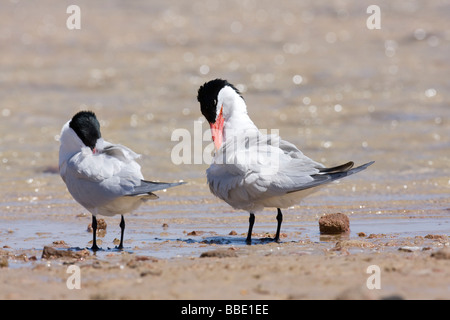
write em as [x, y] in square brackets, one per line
[217, 130]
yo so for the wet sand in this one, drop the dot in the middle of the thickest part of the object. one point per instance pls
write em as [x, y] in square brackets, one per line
[415, 268]
[313, 71]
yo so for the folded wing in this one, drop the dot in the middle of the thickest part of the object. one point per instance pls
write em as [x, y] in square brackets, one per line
[262, 167]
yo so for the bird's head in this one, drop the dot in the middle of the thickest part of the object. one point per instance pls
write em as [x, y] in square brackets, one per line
[86, 127]
[82, 131]
[219, 101]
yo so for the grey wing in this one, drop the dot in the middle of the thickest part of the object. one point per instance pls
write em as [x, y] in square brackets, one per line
[91, 189]
[294, 169]
[328, 175]
[302, 173]
[270, 167]
[102, 175]
[119, 151]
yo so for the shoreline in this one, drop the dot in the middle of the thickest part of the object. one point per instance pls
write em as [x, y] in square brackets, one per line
[409, 268]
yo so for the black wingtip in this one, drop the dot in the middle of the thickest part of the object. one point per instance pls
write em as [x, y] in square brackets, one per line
[327, 177]
[161, 185]
[343, 167]
[148, 187]
[358, 169]
[368, 164]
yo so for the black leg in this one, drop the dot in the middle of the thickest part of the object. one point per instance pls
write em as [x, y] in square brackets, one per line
[251, 221]
[279, 220]
[94, 234]
[122, 229]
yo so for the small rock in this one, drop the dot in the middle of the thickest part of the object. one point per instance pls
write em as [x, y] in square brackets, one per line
[443, 254]
[140, 261]
[4, 262]
[99, 242]
[334, 223]
[195, 233]
[376, 236]
[165, 226]
[146, 258]
[101, 225]
[219, 253]
[52, 253]
[343, 244]
[60, 243]
[22, 257]
[233, 233]
[151, 273]
[361, 234]
[409, 249]
[436, 237]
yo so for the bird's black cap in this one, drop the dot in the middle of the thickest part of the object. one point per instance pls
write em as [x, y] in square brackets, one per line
[87, 127]
[207, 96]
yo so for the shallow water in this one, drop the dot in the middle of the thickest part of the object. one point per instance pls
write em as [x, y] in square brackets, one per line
[189, 240]
[313, 71]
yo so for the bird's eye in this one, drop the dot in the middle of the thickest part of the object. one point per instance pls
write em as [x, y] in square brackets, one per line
[215, 102]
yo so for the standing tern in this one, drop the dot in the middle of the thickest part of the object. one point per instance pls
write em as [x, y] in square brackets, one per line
[101, 176]
[252, 171]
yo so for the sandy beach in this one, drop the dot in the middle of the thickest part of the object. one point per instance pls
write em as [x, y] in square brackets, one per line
[313, 71]
[408, 269]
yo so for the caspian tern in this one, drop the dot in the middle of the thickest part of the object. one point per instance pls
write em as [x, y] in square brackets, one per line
[251, 170]
[101, 176]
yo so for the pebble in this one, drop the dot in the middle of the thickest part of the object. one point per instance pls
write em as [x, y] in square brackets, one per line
[195, 233]
[4, 262]
[52, 253]
[361, 234]
[442, 254]
[101, 225]
[219, 253]
[409, 249]
[334, 223]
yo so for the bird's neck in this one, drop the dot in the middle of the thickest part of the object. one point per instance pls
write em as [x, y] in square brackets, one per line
[70, 144]
[238, 122]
